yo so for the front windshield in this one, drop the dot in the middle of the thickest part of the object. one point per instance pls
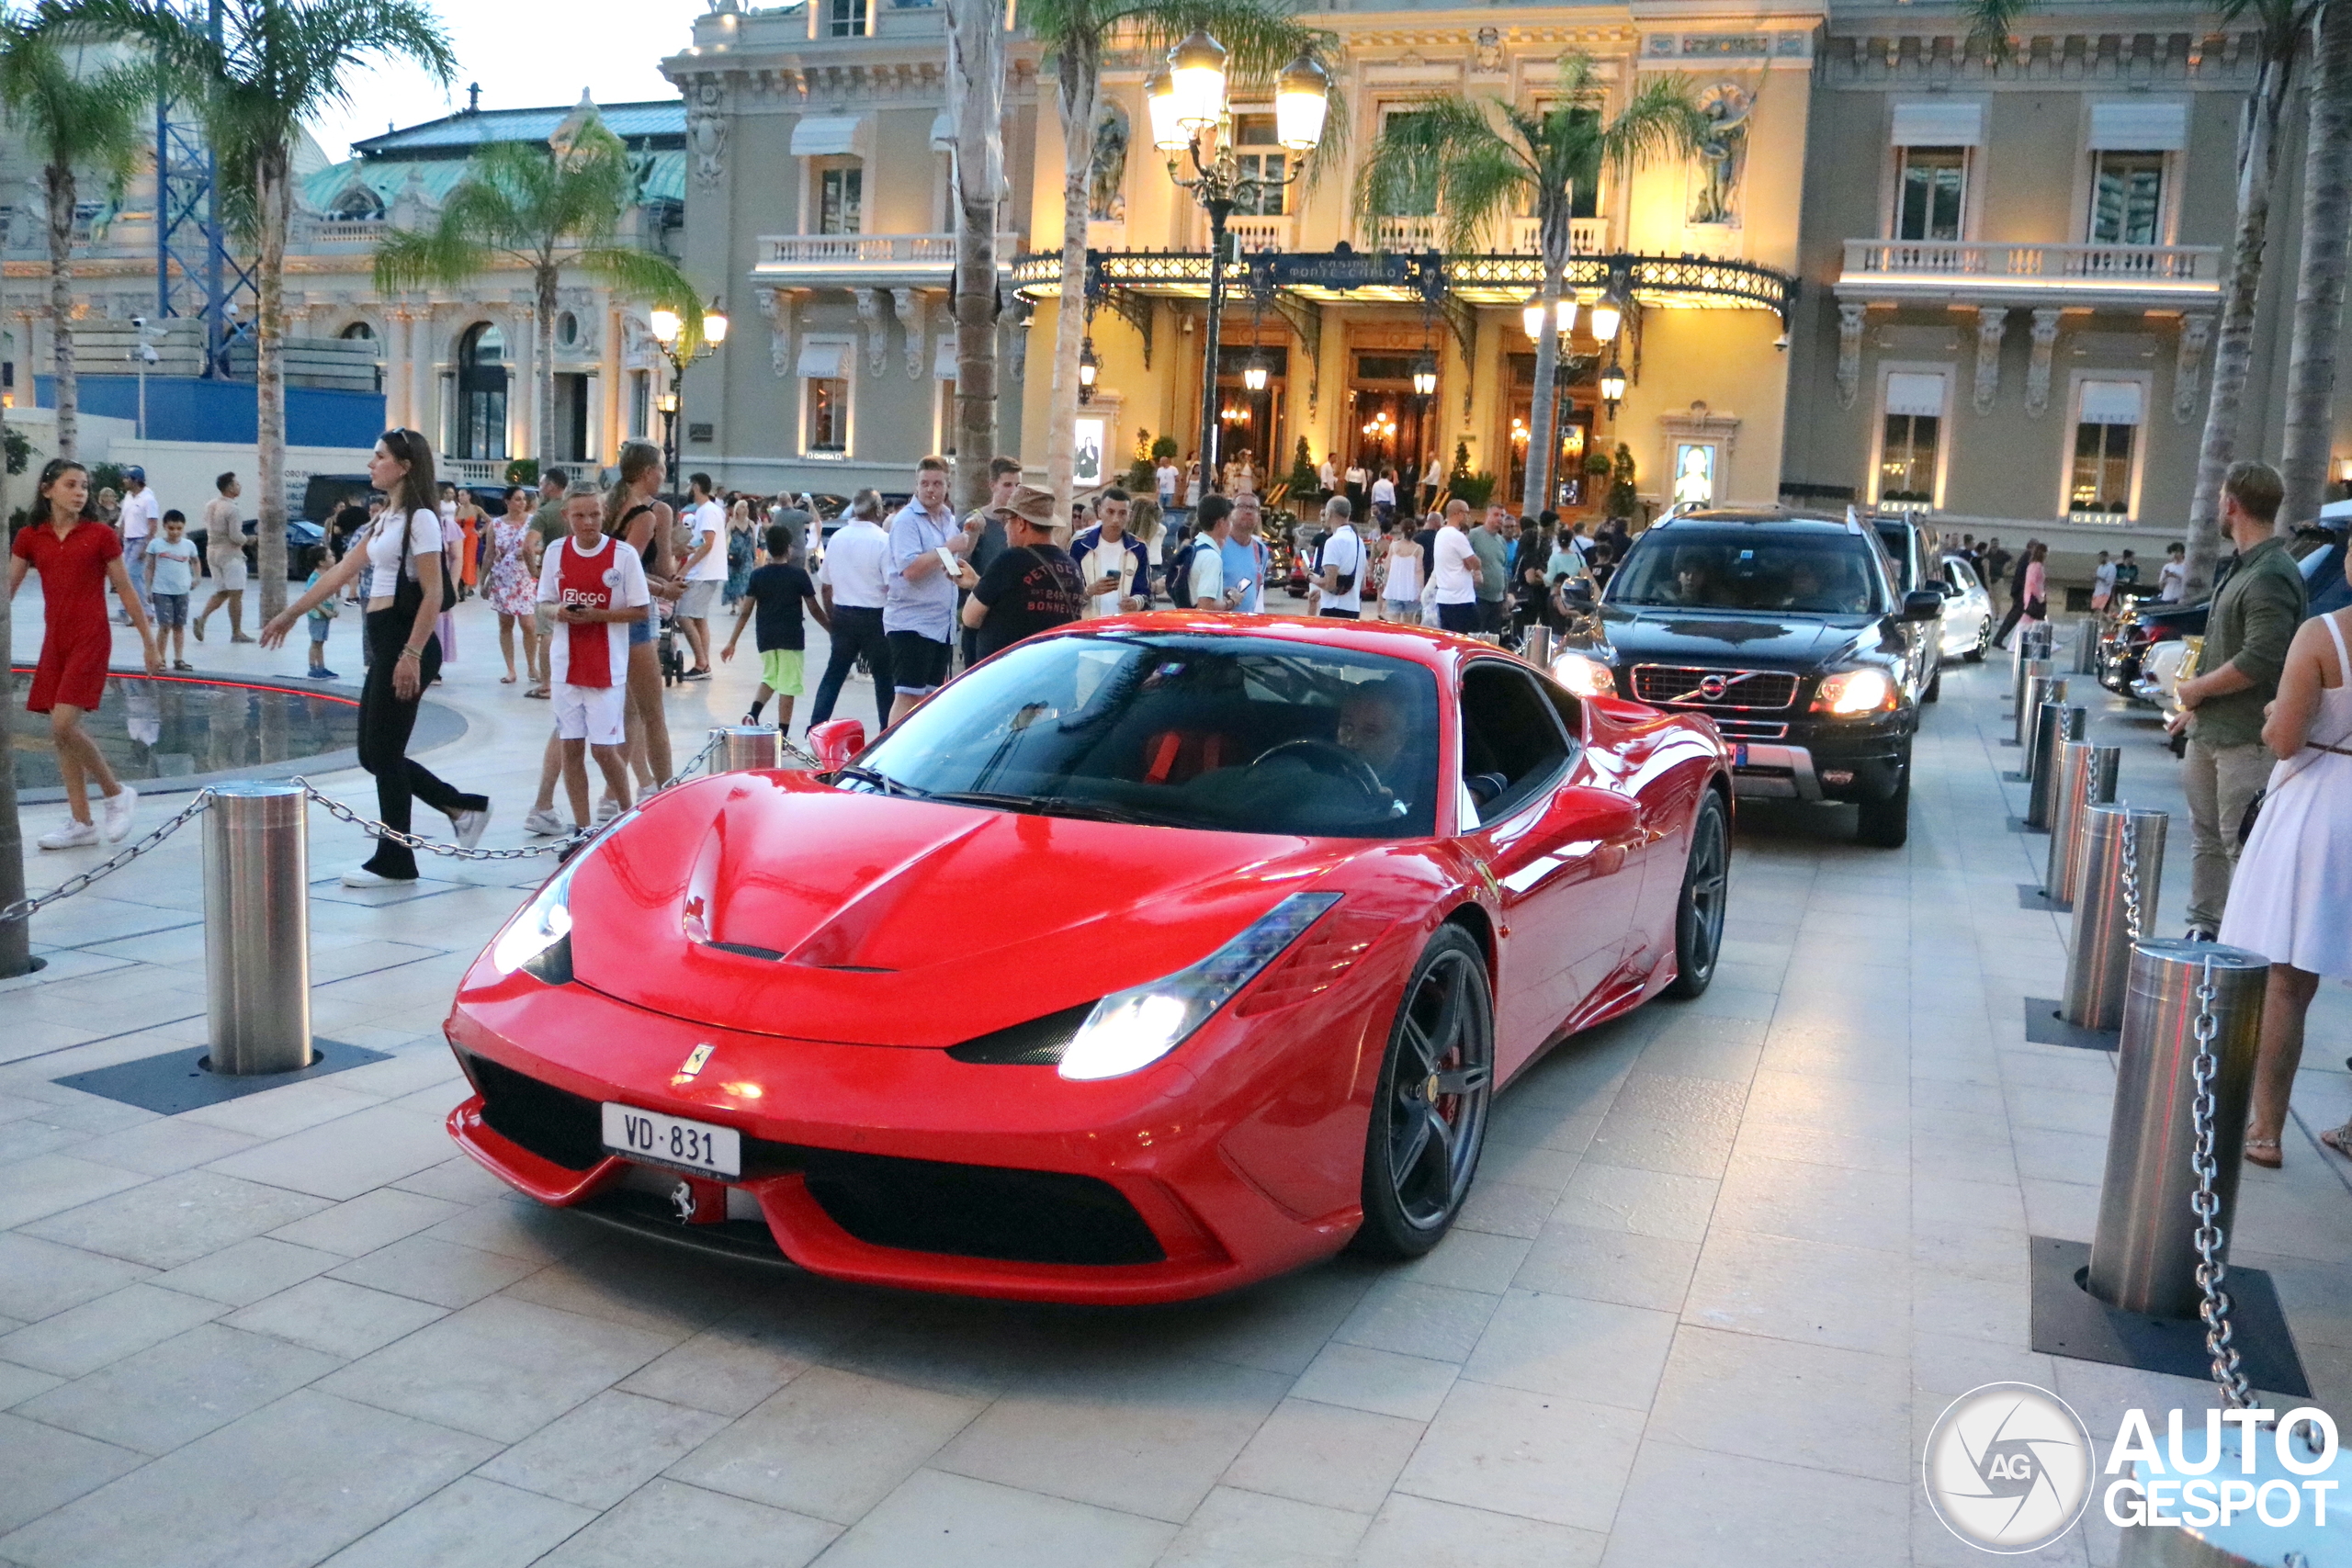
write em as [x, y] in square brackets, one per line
[1242, 734]
[1809, 572]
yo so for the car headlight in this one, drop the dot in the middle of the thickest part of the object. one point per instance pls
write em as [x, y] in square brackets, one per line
[1855, 692]
[539, 936]
[1584, 675]
[1130, 1029]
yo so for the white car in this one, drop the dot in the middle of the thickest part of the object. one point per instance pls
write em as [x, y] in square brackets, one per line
[1968, 612]
[2161, 669]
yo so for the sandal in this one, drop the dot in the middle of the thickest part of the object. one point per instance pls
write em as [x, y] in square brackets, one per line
[507, 679]
[536, 692]
[2339, 1139]
[2253, 1157]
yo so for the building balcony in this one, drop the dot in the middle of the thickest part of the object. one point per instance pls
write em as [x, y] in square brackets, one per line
[1252, 234]
[1521, 236]
[844, 260]
[1981, 273]
[311, 233]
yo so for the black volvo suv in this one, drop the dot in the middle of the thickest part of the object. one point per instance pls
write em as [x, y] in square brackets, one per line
[1790, 633]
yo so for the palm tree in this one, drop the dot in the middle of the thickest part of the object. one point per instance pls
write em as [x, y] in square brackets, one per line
[976, 106]
[1486, 159]
[76, 113]
[545, 209]
[2281, 27]
[2319, 287]
[254, 73]
[1261, 37]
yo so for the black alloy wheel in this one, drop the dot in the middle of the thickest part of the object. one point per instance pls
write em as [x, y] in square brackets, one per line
[1706, 895]
[1428, 1111]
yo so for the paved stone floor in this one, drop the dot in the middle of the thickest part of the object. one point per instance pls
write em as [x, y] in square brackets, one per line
[1726, 1263]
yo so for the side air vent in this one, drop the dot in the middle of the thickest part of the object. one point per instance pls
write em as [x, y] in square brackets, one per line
[1036, 1044]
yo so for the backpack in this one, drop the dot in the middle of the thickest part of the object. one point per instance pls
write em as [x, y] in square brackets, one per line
[1180, 576]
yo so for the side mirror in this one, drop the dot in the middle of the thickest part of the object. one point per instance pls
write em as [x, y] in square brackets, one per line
[835, 741]
[1922, 606]
[1595, 813]
[1579, 589]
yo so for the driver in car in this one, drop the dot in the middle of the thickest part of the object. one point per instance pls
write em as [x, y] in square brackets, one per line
[1374, 725]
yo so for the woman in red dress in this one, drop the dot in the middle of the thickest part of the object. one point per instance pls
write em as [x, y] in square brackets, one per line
[77, 557]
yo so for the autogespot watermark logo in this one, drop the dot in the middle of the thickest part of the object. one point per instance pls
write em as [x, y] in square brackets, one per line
[2008, 1467]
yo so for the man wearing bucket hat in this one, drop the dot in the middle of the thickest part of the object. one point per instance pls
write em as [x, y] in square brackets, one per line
[1034, 585]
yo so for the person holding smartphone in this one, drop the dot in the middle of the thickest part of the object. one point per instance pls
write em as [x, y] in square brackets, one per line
[927, 558]
[1032, 586]
[1112, 562]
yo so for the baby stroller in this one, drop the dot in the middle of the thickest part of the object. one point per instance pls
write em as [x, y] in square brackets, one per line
[665, 644]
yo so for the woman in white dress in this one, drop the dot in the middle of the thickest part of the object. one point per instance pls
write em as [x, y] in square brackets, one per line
[2290, 897]
[1400, 590]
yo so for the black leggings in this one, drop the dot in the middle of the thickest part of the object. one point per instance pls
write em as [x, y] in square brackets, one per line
[385, 721]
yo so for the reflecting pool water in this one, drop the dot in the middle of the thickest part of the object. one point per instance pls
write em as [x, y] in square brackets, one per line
[173, 727]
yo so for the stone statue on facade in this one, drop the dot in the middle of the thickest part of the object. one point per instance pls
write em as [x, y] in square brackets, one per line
[1726, 107]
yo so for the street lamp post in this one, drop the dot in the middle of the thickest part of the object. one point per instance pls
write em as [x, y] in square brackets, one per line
[1188, 102]
[669, 335]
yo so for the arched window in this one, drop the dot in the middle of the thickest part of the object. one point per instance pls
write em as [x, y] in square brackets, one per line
[358, 332]
[481, 392]
[359, 205]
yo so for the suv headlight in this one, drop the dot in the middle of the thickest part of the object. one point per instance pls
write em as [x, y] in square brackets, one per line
[1584, 675]
[1854, 692]
[1130, 1029]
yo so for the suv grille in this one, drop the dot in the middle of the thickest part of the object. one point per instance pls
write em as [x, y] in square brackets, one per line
[1692, 686]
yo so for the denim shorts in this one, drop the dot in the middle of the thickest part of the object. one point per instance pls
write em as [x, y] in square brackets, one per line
[640, 632]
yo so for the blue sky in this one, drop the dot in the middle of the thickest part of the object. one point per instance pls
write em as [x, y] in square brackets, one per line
[524, 53]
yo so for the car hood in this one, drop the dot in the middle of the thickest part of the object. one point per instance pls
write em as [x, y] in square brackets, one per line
[1756, 641]
[770, 903]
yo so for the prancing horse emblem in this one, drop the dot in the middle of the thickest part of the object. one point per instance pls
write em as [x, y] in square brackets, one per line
[1713, 687]
[696, 1059]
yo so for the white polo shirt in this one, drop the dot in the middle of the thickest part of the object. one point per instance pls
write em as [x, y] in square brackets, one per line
[141, 515]
[857, 563]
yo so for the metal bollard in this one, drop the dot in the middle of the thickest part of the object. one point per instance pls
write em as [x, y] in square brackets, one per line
[2143, 1255]
[2101, 955]
[2027, 699]
[2087, 776]
[745, 746]
[2058, 724]
[1535, 647]
[2039, 691]
[2087, 646]
[257, 928]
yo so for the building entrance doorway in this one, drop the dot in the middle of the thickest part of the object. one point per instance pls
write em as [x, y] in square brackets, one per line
[1250, 421]
[1389, 421]
[1570, 487]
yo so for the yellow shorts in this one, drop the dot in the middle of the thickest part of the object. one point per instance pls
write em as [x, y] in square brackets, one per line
[780, 670]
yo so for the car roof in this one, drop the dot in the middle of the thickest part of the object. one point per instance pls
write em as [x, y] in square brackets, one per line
[1777, 516]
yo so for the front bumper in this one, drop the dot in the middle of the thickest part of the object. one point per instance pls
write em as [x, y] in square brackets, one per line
[1832, 769]
[905, 1168]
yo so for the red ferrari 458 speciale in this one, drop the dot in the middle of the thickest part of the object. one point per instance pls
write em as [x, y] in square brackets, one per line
[1152, 957]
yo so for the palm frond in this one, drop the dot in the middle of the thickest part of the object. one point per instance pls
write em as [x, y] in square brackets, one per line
[1992, 23]
[1662, 119]
[71, 110]
[417, 259]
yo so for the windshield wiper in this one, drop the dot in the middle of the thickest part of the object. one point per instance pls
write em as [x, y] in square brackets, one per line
[1061, 806]
[881, 780]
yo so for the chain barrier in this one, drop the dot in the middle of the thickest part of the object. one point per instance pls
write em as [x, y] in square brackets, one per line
[25, 908]
[2131, 838]
[2211, 1270]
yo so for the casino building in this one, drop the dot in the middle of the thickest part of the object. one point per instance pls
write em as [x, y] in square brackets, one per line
[823, 172]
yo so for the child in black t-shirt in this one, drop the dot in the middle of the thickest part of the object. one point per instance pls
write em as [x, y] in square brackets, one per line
[776, 592]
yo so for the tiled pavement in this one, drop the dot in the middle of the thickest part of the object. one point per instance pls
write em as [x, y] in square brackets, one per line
[1726, 1263]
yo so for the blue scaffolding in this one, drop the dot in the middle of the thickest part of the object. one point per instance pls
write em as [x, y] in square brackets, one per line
[196, 275]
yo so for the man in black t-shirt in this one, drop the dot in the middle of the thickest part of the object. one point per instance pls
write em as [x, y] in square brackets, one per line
[1032, 586]
[777, 591]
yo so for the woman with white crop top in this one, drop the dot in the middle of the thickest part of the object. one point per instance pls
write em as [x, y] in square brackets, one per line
[400, 555]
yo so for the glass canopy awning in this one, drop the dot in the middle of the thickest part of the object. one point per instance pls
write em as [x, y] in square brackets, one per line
[1350, 277]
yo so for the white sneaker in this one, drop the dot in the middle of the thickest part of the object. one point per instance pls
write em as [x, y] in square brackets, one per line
[360, 876]
[469, 826]
[546, 824]
[606, 810]
[118, 808]
[71, 836]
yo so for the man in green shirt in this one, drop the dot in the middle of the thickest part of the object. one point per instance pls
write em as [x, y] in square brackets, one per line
[1494, 567]
[2254, 617]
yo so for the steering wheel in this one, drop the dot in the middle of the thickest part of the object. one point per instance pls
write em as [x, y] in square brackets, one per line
[1330, 757]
